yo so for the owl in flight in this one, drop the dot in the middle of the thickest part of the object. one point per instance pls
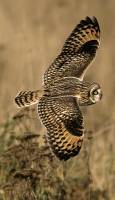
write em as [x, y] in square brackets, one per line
[65, 90]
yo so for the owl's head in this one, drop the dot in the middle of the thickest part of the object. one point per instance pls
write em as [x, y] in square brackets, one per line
[91, 93]
[95, 93]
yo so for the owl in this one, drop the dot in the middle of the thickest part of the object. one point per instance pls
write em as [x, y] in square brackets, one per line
[64, 90]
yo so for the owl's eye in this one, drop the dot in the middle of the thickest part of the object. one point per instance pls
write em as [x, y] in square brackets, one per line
[95, 92]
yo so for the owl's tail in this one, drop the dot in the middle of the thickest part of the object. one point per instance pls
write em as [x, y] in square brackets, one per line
[28, 98]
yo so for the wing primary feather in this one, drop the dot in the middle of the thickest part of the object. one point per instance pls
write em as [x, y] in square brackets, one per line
[85, 31]
[77, 53]
[65, 141]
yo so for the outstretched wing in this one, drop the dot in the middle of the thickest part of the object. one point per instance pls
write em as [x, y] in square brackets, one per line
[77, 52]
[64, 122]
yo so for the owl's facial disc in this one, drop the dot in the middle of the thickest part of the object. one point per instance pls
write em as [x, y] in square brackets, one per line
[95, 93]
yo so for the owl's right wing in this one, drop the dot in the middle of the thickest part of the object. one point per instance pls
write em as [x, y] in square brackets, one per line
[77, 52]
[64, 123]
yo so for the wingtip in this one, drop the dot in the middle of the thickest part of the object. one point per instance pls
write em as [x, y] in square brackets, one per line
[89, 20]
[95, 20]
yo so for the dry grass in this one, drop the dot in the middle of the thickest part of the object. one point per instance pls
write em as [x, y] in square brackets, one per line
[28, 170]
[31, 35]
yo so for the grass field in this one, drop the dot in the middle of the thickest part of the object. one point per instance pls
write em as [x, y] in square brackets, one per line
[31, 35]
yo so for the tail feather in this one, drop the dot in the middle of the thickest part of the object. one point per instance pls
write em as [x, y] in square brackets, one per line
[28, 98]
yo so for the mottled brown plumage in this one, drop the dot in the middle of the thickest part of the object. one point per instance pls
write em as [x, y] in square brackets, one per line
[64, 123]
[77, 52]
[27, 98]
[65, 90]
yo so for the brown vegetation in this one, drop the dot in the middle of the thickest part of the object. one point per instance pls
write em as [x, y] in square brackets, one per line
[30, 171]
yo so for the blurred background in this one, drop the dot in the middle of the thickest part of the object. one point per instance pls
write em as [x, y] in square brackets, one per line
[32, 33]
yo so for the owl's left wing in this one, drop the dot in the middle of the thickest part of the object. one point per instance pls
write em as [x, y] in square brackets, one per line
[64, 122]
[77, 53]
